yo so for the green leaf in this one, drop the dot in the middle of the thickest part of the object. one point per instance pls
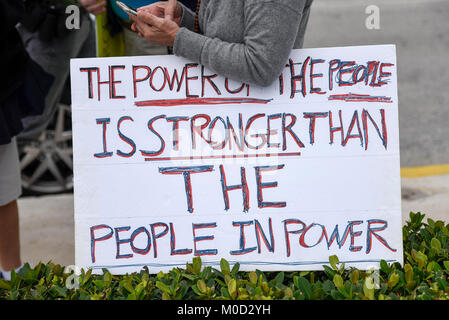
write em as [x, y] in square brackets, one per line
[279, 279]
[107, 277]
[408, 273]
[305, 287]
[127, 285]
[342, 268]
[288, 293]
[197, 290]
[355, 276]
[232, 288]
[336, 295]
[235, 268]
[201, 286]
[227, 278]
[25, 272]
[393, 280]
[333, 261]
[252, 277]
[384, 266]
[329, 271]
[99, 284]
[431, 266]
[225, 293]
[328, 286]
[446, 265]
[224, 265]
[61, 291]
[445, 231]
[338, 281]
[343, 291]
[86, 277]
[431, 223]
[163, 287]
[196, 265]
[139, 290]
[5, 284]
[435, 244]
[99, 296]
[421, 258]
[368, 288]
[165, 296]
[304, 273]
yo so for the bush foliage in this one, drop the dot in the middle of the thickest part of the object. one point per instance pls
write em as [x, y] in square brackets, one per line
[423, 276]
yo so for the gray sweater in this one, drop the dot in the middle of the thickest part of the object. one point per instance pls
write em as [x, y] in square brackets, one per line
[245, 40]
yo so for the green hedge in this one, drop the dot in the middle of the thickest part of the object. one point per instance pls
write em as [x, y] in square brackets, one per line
[423, 276]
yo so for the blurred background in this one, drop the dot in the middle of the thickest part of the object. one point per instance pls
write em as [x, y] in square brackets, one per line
[418, 28]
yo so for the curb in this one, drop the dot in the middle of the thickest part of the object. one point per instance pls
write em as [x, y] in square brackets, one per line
[425, 171]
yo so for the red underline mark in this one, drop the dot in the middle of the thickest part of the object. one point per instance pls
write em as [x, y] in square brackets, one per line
[353, 97]
[198, 101]
[265, 155]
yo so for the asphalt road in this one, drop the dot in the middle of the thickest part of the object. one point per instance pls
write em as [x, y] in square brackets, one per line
[420, 31]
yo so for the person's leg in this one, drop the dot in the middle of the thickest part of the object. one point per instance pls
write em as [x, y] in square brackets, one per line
[9, 237]
[10, 190]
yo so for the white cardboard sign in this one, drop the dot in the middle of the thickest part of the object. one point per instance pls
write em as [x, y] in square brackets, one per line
[172, 161]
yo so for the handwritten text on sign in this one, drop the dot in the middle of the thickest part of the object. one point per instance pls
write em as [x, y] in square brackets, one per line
[173, 161]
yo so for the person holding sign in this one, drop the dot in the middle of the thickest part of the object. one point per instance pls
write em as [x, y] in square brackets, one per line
[244, 40]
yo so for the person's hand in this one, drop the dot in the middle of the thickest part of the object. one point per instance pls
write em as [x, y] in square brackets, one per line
[155, 29]
[170, 10]
[94, 7]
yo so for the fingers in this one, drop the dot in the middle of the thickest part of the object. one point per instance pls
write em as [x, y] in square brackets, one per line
[171, 9]
[140, 26]
[136, 26]
[133, 24]
[93, 7]
[150, 19]
[86, 3]
[156, 9]
[156, 30]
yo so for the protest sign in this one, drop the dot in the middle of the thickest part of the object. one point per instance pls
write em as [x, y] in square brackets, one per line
[172, 162]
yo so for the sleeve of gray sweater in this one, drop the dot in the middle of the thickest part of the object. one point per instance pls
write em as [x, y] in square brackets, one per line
[188, 17]
[269, 36]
